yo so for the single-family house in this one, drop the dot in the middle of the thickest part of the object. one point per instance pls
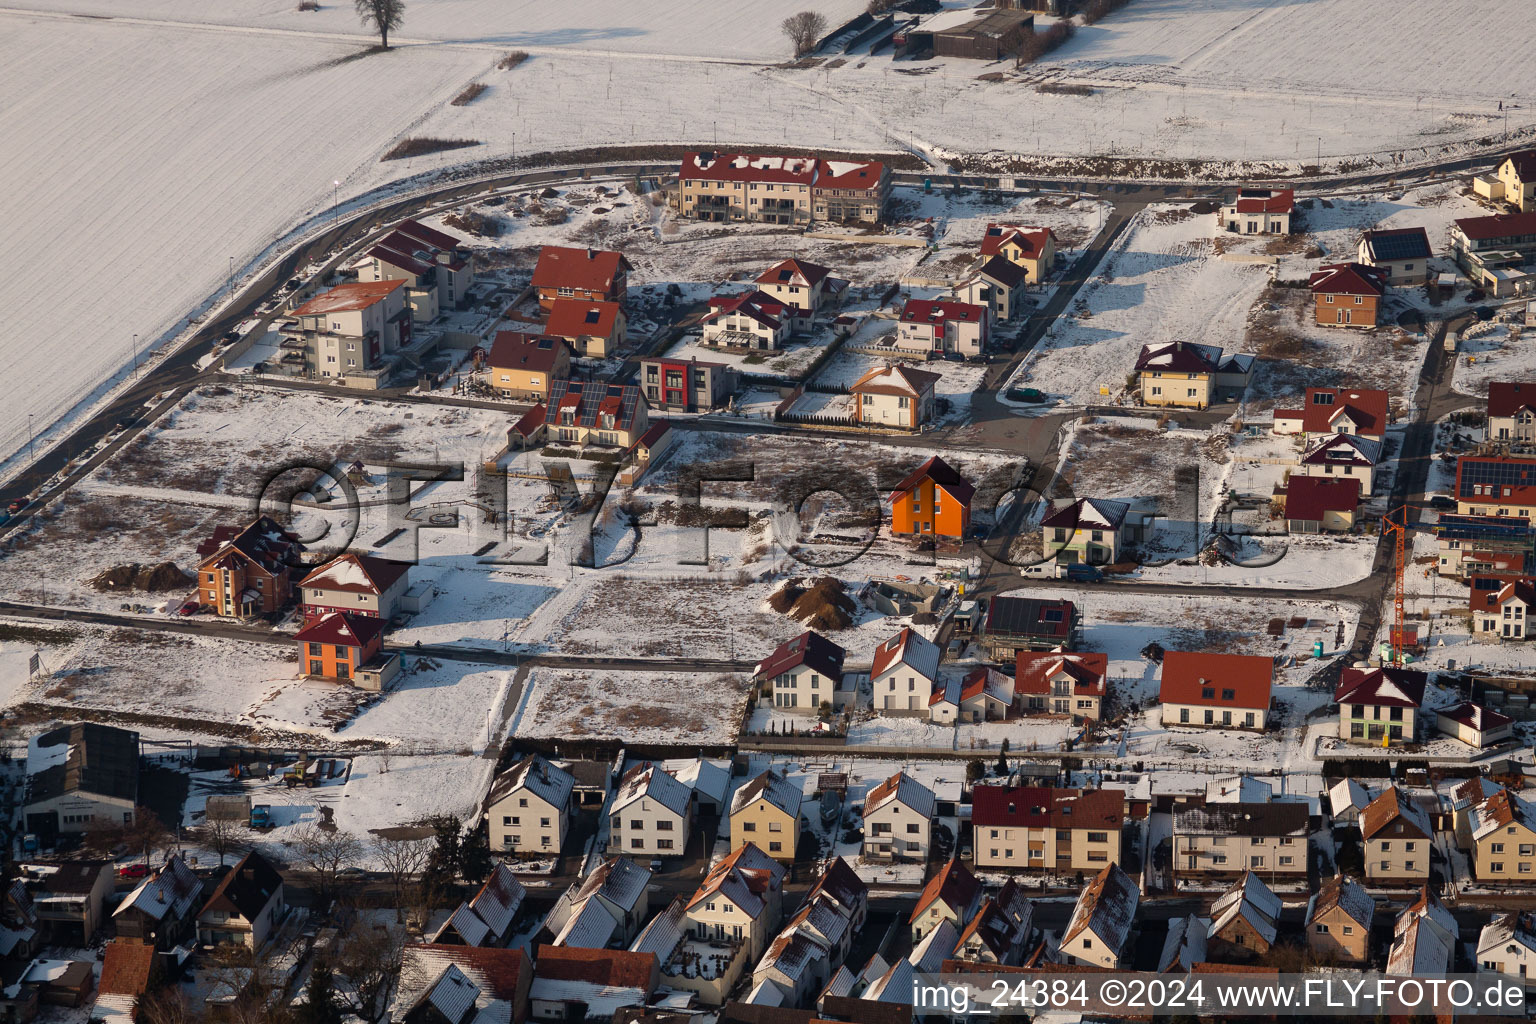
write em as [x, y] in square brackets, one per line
[1379, 706]
[1339, 920]
[815, 941]
[1341, 457]
[1502, 606]
[936, 327]
[69, 899]
[574, 985]
[801, 674]
[1464, 802]
[361, 585]
[981, 695]
[1224, 840]
[934, 500]
[708, 779]
[1497, 252]
[1398, 836]
[488, 918]
[436, 267]
[1495, 485]
[953, 895]
[348, 332]
[742, 898]
[1474, 724]
[1184, 945]
[1046, 829]
[1424, 939]
[898, 820]
[998, 285]
[766, 813]
[1187, 375]
[895, 396]
[605, 908]
[1015, 624]
[1507, 946]
[651, 814]
[528, 808]
[751, 320]
[1329, 411]
[1513, 181]
[1317, 504]
[443, 984]
[1347, 294]
[686, 385]
[247, 571]
[1223, 691]
[245, 907]
[79, 777]
[1402, 253]
[798, 284]
[1511, 411]
[1033, 249]
[1259, 211]
[904, 673]
[1099, 930]
[594, 329]
[1347, 801]
[1244, 920]
[346, 647]
[1504, 839]
[162, 910]
[1000, 928]
[1050, 683]
[521, 365]
[586, 275]
[587, 413]
[1089, 530]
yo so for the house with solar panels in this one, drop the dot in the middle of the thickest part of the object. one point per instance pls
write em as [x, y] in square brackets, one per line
[1489, 545]
[1403, 253]
[584, 413]
[1495, 485]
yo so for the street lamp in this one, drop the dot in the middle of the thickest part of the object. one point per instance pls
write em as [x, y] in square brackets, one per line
[335, 193]
[29, 437]
[135, 355]
[231, 273]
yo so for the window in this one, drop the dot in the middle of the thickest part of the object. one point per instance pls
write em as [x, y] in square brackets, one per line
[775, 847]
[664, 826]
[637, 843]
[615, 823]
[749, 826]
[663, 844]
[1098, 837]
[1349, 929]
[636, 823]
[775, 826]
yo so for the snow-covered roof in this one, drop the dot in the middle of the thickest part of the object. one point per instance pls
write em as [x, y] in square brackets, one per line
[467, 924]
[707, 778]
[1184, 945]
[1088, 513]
[772, 787]
[591, 926]
[452, 995]
[894, 986]
[793, 953]
[618, 880]
[745, 878]
[1500, 811]
[168, 893]
[1238, 789]
[499, 899]
[1428, 908]
[1107, 908]
[551, 784]
[1346, 894]
[907, 648]
[1337, 449]
[901, 788]
[1511, 929]
[665, 931]
[1419, 950]
[1393, 805]
[1347, 795]
[840, 984]
[1388, 687]
[1251, 900]
[650, 781]
[936, 947]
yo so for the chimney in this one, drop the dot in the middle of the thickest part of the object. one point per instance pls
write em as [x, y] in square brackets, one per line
[591, 254]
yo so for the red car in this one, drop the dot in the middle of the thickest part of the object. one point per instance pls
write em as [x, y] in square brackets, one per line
[133, 871]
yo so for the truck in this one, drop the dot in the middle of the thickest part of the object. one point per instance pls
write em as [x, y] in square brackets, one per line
[1078, 572]
[261, 816]
[306, 773]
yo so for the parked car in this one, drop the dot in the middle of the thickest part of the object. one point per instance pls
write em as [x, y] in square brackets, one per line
[1441, 501]
[1026, 394]
[1483, 313]
[133, 871]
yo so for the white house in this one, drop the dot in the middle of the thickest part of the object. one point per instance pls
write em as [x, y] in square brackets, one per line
[651, 814]
[981, 695]
[1100, 926]
[934, 327]
[1342, 457]
[1259, 211]
[1347, 800]
[895, 396]
[742, 898]
[752, 320]
[898, 820]
[1474, 724]
[1507, 946]
[605, 908]
[802, 674]
[245, 906]
[904, 672]
[528, 809]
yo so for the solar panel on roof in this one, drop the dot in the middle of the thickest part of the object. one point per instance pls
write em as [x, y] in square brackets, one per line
[1399, 247]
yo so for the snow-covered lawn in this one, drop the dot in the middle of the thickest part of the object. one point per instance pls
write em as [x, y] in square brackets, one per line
[789, 362]
[957, 381]
[636, 707]
[1493, 352]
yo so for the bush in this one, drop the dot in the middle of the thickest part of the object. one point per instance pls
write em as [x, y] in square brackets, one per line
[1094, 10]
[309, 5]
[421, 145]
[1042, 43]
[470, 93]
[512, 60]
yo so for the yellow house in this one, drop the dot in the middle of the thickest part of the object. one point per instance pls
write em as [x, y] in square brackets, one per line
[1187, 375]
[766, 813]
[1339, 920]
[1514, 182]
[1504, 839]
[1398, 835]
[1034, 249]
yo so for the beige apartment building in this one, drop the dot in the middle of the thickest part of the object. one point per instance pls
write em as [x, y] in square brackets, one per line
[1225, 840]
[348, 332]
[1045, 829]
[528, 808]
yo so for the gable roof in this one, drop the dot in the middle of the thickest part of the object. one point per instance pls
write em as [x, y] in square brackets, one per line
[1517, 927]
[772, 787]
[1253, 901]
[125, 968]
[1347, 794]
[1277, 818]
[347, 298]
[169, 893]
[984, 682]
[1343, 893]
[343, 629]
[904, 789]
[810, 649]
[661, 937]
[261, 541]
[618, 880]
[358, 574]
[1179, 357]
[1524, 164]
[1184, 945]
[464, 923]
[587, 400]
[954, 885]
[1046, 807]
[1390, 244]
[1367, 408]
[909, 648]
[745, 878]
[551, 784]
[840, 883]
[1088, 514]
[84, 757]
[936, 947]
[1107, 908]
[1500, 811]
[575, 318]
[591, 270]
[1505, 397]
[1497, 226]
[943, 475]
[1348, 279]
[1391, 806]
[499, 899]
[1389, 687]
[536, 353]
[1265, 200]
[758, 305]
[796, 272]
[895, 379]
[849, 173]
[1030, 240]
[937, 312]
[1475, 716]
[1088, 670]
[1189, 675]
[247, 889]
[1004, 271]
[1309, 498]
[1488, 477]
[491, 978]
[1045, 619]
[1418, 950]
[648, 780]
[701, 775]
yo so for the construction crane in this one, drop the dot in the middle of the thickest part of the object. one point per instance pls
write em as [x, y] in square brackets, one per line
[1399, 530]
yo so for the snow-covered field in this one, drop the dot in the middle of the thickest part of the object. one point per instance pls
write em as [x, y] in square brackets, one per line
[1492, 352]
[635, 707]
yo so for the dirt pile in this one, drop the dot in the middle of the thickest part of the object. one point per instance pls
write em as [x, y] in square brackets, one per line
[149, 578]
[823, 605]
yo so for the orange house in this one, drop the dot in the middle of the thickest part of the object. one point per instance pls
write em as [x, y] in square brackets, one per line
[247, 571]
[935, 501]
[336, 646]
[1347, 294]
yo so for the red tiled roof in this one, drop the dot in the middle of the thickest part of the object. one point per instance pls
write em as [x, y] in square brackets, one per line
[1260, 201]
[794, 271]
[343, 629]
[1348, 279]
[943, 475]
[809, 648]
[1496, 474]
[939, 311]
[347, 297]
[1525, 164]
[849, 174]
[616, 968]
[1046, 807]
[917, 381]
[515, 350]
[125, 968]
[1188, 675]
[1387, 687]
[1499, 225]
[1488, 598]
[1390, 806]
[760, 306]
[433, 237]
[1032, 671]
[572, 318]
[1505, 398]
[710, 166]
[1307, 498]
[653, 434]
[379, 574]
[593, 270]
[1476, 716]
[1030, 240]
[531, 421]
[1367, 407]
[954, 884]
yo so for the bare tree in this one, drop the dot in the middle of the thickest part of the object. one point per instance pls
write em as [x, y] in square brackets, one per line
[164, 1006]
[803, 30]
[878, 7]
[144, 835]
[369, 959]
[223, 836]
[326, 853]
[384, 15]
[403, 860]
